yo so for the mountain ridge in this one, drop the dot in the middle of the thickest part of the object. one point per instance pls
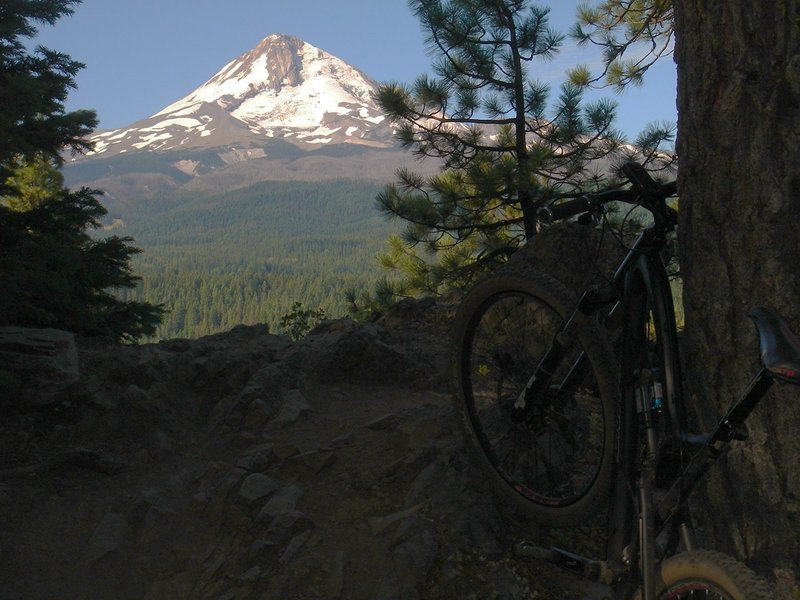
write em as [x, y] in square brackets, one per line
[282, 88]
[283, 111]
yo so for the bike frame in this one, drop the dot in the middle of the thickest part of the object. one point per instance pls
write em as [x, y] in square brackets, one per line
[641, 286]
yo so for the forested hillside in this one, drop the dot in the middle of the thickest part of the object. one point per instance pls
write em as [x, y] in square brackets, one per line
[248, 255]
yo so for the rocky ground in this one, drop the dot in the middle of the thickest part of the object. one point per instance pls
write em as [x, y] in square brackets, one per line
[247, 466]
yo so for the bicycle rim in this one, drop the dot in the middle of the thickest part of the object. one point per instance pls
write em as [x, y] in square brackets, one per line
[557, 462]
[695, 589]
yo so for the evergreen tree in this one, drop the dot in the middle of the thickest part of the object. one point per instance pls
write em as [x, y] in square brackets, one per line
[504, 151]
[738, 90]
[34, 86]
[633, 34]
[31, 183]
[52, 273]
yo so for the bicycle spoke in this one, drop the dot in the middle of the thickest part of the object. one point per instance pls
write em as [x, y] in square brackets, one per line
[551, 455]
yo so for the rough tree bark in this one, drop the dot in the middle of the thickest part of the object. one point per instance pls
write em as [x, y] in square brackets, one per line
[739, 147]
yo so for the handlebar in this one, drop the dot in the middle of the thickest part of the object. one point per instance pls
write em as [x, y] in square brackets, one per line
[582, 204]
[645, 192]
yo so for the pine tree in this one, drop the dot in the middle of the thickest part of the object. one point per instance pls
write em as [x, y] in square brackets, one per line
[34, 86]
[52, 272]
[633, 35]
[738, 91]
[504, 151]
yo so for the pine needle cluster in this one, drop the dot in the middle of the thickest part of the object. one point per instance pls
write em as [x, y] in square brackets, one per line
[505, 146]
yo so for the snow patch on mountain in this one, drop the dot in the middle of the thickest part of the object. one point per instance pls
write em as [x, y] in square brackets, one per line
[283, 88]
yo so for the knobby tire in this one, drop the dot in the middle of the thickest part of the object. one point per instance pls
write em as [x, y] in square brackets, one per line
[557, 466]
[709, 575]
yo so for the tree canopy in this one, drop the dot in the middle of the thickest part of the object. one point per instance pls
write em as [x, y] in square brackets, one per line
[52, 272]
[506, 148]
[34, 86]
[633, 35]
[55, 275]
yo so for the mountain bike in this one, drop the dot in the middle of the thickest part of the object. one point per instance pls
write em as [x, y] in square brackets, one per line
[574, 405]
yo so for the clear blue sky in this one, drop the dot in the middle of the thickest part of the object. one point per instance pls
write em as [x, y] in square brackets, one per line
[141, 55]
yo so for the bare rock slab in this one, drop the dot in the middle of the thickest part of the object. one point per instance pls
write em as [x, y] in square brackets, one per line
[38, 364]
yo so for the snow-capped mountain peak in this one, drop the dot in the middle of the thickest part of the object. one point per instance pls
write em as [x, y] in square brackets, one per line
[282, 88]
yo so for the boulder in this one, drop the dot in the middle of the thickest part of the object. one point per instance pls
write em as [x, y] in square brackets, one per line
[575, 254]
[36, 365]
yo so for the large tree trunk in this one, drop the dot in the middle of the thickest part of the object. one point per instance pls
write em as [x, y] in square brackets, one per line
[739, 177]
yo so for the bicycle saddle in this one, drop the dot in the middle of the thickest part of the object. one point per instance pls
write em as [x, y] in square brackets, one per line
[780, 347]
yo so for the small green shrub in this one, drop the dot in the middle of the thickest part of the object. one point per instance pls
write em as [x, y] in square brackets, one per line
[300, 320]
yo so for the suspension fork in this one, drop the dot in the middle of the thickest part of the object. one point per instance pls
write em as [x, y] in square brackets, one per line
[649, 416]
[634, 523]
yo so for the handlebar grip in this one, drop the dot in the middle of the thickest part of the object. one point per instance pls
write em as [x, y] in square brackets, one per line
[548, 214]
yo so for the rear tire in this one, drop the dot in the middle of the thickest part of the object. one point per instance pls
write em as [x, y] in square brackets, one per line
[708, 574]
[556, 468]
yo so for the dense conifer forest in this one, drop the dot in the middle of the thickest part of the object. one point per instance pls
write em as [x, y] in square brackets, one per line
[248, 255]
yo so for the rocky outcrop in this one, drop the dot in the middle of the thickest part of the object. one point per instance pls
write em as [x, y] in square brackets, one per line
[576, 255]
[247, 466]
[244, 465]
[36, 365]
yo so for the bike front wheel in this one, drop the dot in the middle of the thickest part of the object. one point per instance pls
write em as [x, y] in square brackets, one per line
[708, 574]
[556, 465]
